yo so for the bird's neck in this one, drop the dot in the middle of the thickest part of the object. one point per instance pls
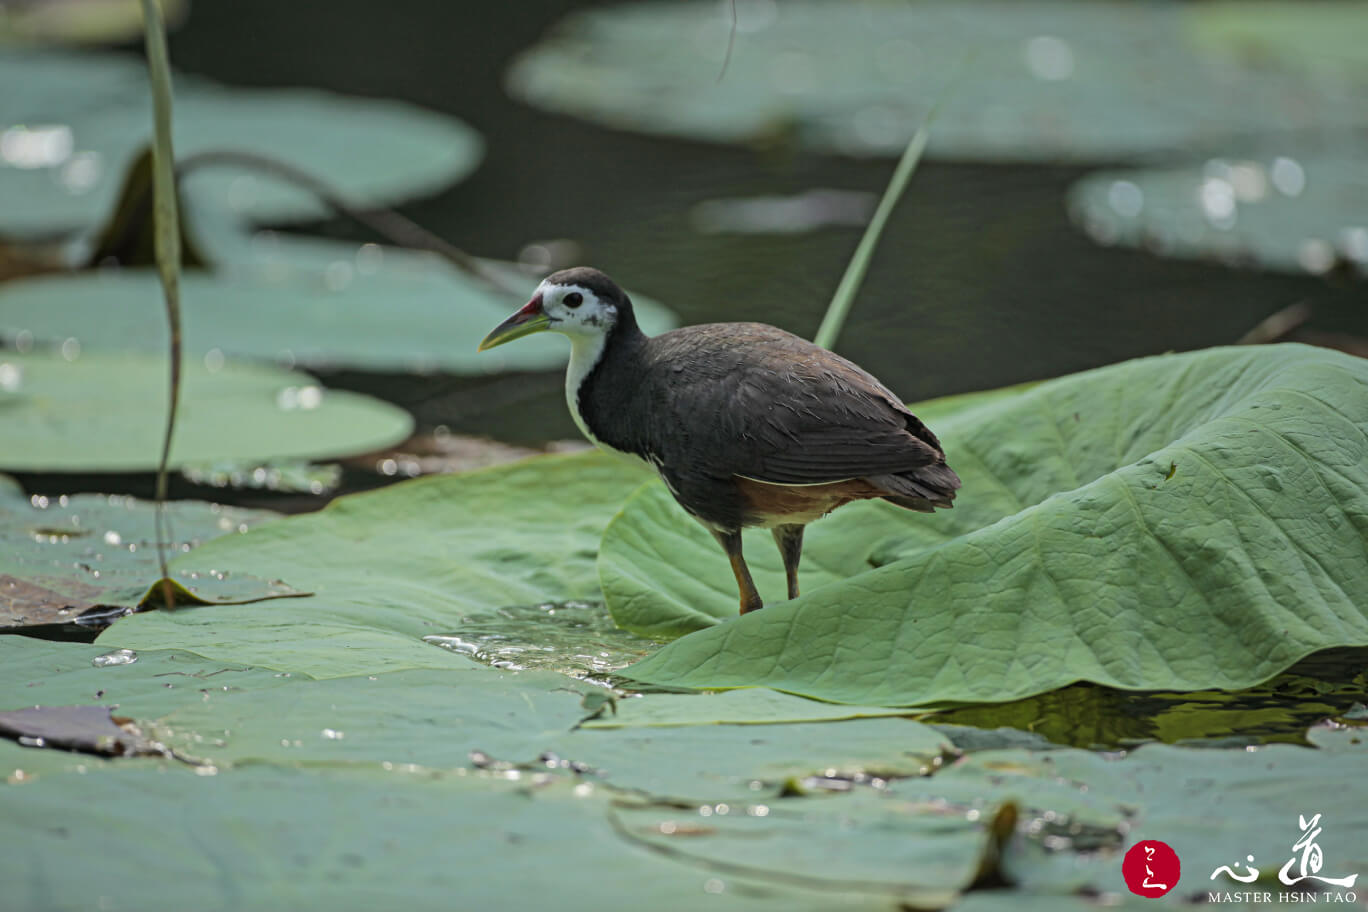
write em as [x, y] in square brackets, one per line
[591, 358]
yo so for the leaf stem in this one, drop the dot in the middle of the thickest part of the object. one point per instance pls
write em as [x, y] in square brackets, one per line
[839, 308]
[166, 221]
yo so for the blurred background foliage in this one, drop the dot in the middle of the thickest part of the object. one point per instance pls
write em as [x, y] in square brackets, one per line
[1011, 259]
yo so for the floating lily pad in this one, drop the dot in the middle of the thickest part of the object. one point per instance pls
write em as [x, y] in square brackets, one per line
[825, 816]
[1037, 81]
[87, 558]
[1326, 38]
[307, 302]
[70, 140]
[749, 706]
[1279, 213]
[58, 84]
[105, 413]
[1185, 522]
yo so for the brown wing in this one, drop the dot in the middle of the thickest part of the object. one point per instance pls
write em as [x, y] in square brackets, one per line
[755, 401]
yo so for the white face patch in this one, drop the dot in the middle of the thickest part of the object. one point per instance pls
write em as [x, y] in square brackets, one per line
[587, 326]
[576, 311]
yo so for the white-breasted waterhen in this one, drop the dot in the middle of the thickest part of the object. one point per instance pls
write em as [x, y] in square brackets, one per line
[747, 425]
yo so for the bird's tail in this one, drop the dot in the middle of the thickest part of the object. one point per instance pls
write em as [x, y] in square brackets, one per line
[922, 489]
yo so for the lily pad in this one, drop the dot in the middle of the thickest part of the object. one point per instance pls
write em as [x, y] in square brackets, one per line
[750, 706]
[299, 839]
[88, 558]
[822, 816]
[315, 303]
[70, 141]
[104, 413]
[1278, 213]
[426, 557]
[1043, 81]
[1323, 37]
[1183, 522]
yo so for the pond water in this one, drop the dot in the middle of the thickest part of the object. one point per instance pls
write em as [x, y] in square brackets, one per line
[981, 280]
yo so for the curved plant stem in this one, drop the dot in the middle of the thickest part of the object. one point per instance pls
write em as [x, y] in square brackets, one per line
[166, 217]
[839, 308]
[389, 224]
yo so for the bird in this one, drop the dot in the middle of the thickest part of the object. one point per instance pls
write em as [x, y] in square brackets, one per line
[746, 424]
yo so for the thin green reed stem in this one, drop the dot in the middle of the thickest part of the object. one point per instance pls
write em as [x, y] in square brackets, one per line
[839, 308]
[167, 233]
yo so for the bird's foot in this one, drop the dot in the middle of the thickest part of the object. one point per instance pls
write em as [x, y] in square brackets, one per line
[749, 606]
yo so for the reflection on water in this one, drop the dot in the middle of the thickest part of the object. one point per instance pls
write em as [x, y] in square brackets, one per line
[1326, 684]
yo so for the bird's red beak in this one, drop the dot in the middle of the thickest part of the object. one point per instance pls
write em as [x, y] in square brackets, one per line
[529, 319]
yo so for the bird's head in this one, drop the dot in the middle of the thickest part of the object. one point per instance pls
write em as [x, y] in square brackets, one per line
[577, 302]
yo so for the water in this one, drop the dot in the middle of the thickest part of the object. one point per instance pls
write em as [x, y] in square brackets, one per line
[980, 281]
[574, 638]
[117, 657]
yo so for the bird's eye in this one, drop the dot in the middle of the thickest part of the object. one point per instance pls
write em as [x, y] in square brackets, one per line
[573, 299]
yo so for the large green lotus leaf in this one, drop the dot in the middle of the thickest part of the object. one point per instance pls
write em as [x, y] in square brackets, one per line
[63, 556]
[229, 715]
[736, 762]
[747, 706]
[273, 838]
[314, 303]
[307, 773]
[650, 561]
[105, 413]
[144, 685]
[1037, 81]
[861, 843]
[67, 176]
[1183, 522]
[1214, 807]
[392, 566]
[1278, 213]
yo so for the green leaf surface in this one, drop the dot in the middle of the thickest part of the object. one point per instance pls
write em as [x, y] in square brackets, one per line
[272, 838]
[104, 412]
[369, 783]
[392, 566]
[67, 177]
[750, 706]
[315, 303]
[1213, 807]
[1042, 81]
[60, 557]
[1327, 39]
[1298, 215]
[1182, 522]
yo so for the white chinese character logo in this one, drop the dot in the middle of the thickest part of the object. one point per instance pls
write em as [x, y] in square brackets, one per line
[1310, 861]
[1310, 858]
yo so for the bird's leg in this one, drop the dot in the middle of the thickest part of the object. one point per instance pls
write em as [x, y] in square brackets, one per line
[731, 543]
[789, 538]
